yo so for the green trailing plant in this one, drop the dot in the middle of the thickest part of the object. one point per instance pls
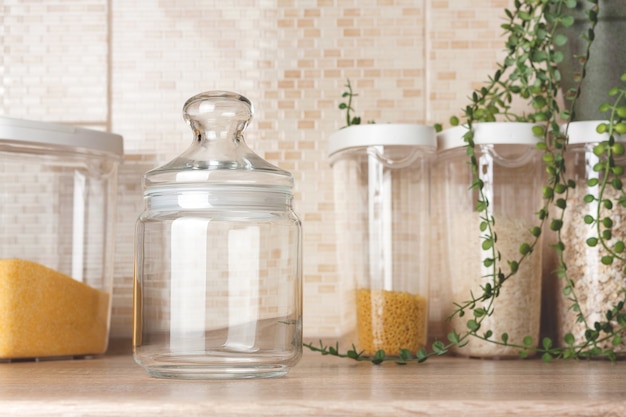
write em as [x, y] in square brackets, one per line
[346, 106]
[530, 73]
[349, 95]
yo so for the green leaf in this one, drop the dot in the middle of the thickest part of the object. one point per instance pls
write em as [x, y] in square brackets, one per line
[528, 341]
[556, 224]
[539, 102]
[560, 39]
[557, 57]
[525, 249]
[592, 242]
[481, 205]
[473, 325]
[454, 337]
[607, 260]
[405, 355]
[567, 21]
[547, 343]
[560, 188]
[548, 192]
[505, 338]
[569, 339]
[439, 348]
[379, 357]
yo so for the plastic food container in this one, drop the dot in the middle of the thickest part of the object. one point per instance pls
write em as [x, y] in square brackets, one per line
[58, 187]
[218, 276]
[510, 167]
[598, 286]
[382, 192]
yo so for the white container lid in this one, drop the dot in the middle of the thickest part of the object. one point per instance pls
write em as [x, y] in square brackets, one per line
[31, 133]
[491, 133]
[585, 132]
[357, 136]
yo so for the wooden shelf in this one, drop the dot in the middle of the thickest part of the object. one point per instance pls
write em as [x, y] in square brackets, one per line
[320, 386]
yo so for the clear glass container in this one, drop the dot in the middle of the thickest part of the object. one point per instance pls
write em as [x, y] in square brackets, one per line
[510, 167]
[597, 286]
[218, 290]
[381, 179]
[58, 191]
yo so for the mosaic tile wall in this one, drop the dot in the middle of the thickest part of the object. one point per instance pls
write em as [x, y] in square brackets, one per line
[128, 67]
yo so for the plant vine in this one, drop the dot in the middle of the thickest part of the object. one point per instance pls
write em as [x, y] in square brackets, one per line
[529, 72]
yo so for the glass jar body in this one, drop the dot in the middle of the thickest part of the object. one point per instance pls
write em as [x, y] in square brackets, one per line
[218, 292]
[511, 175]
[382, 201]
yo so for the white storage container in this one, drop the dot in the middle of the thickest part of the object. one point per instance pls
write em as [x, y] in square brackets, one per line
[510, 167]
[382, 203]
[58, 187]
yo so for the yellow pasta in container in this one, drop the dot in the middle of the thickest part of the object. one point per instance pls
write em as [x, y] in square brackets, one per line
[44, 313]
[390, 321]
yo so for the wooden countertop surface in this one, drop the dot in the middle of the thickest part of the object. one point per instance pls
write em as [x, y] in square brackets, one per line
[320, 386]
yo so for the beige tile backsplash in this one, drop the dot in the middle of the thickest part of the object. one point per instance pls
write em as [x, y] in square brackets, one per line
[128, 67]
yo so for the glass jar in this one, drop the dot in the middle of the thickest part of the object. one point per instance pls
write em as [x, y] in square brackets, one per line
[381, 191]
[597, 286]
[58, 191]
[218, 290]
[510, 167]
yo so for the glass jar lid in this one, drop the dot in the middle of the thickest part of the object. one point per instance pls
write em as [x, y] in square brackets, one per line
[218, 159]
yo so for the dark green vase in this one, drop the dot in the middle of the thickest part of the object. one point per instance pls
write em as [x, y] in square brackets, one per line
[607, 57]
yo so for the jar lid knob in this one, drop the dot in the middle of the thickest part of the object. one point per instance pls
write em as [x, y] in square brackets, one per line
[218, 115]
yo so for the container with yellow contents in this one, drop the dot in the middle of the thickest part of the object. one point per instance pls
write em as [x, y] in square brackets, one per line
[382, 202]
[58, 188]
